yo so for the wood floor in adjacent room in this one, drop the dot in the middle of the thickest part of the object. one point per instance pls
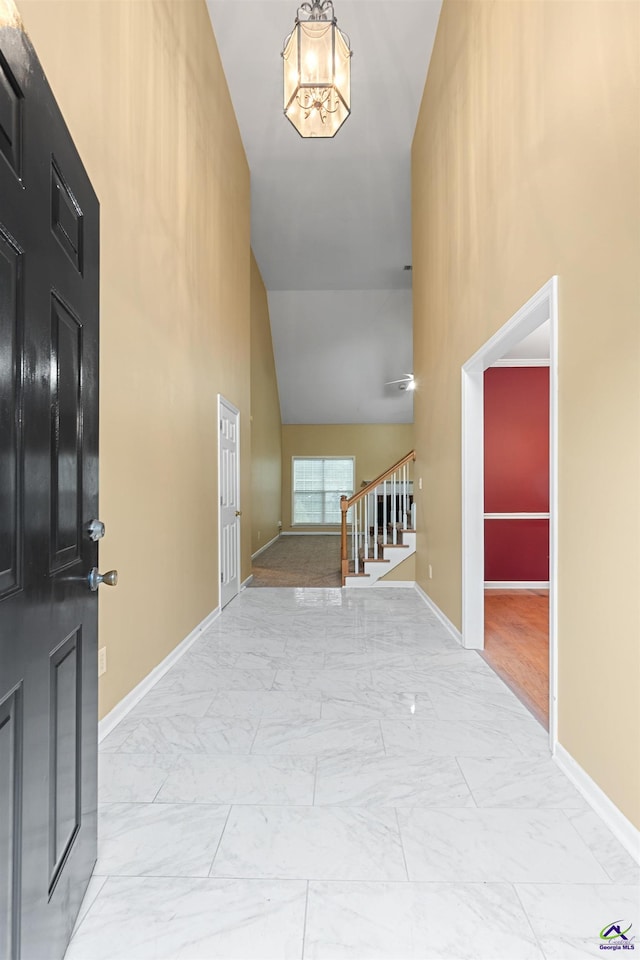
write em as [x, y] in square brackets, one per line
[517, 644]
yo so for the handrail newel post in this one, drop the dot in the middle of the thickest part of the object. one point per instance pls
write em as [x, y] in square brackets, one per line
[343, 537]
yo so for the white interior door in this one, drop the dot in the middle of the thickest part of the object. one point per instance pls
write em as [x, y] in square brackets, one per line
[229, 501]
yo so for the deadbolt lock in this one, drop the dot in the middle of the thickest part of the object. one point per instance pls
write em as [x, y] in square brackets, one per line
[95, 530]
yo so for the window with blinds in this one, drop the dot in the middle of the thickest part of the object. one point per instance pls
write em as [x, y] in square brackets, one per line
[318, 484]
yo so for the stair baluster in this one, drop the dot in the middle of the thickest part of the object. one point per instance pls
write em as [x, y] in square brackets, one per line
[384, 502]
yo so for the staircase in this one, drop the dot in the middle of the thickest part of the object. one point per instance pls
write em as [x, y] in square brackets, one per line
[378, 526]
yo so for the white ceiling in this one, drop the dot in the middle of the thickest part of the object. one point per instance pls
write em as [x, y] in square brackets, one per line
[331, 219]
[536, 346]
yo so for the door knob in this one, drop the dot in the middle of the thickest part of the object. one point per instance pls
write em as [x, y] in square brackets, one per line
[95, 578]
[238, 513]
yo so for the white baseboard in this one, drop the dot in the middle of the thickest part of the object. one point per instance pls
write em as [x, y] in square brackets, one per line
[266, 546]
[310, 533]
[612, 817]
[516, 584]
[121, 709]
[245, 583]
[453, 630]
[405, 584]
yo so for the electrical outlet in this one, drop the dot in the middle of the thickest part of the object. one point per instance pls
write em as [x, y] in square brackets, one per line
[102, 661]
[430, 572]
[259, 535]
[420, 484]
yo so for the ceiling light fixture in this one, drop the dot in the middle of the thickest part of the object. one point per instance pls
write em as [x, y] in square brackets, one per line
[406, 383]
[317, 72]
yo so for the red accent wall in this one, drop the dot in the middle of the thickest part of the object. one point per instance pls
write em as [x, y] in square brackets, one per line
[516, 549]
[516, 471]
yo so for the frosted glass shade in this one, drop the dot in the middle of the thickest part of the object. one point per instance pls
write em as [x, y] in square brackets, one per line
[317, 78]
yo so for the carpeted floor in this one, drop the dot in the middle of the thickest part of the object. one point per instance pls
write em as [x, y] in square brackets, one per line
[304, 561]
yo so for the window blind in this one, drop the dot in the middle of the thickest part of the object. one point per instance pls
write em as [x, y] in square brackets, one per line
[318, 484]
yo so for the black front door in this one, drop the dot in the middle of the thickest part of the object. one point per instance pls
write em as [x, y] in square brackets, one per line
[49, 259]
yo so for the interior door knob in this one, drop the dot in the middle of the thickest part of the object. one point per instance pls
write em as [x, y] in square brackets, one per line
[95, 578]
[238, 513]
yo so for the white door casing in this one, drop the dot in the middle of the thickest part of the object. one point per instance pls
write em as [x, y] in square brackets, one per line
[543, 305]
[228, 500]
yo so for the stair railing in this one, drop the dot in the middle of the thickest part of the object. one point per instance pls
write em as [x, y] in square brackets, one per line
[378, 512]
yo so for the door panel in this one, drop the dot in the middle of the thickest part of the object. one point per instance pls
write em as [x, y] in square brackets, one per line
[10, 118]
[66, 218]
[65, 751]
[10, 790]
[10, 419]
[66, 438]
[49, 299]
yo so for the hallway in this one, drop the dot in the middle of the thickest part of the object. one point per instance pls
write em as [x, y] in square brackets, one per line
[327, 774]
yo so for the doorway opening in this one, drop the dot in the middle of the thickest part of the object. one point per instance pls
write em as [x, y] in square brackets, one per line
[520, 603]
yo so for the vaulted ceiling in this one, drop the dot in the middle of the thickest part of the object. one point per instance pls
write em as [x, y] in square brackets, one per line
[331, 219]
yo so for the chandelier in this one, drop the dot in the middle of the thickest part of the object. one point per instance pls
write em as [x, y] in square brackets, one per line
[317, 72]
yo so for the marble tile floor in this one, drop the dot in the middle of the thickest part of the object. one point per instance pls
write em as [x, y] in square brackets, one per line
[327, 775]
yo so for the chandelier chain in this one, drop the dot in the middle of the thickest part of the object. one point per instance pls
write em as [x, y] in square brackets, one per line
[317, 10]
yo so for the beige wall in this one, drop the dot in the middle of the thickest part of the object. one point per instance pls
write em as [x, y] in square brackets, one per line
[142, 89]
[404, 571]
[526, 164]
[375, 447]
[266, 435]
